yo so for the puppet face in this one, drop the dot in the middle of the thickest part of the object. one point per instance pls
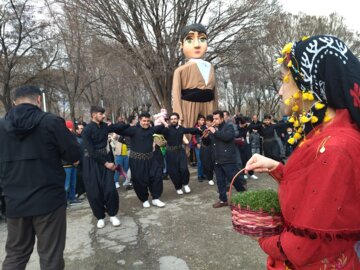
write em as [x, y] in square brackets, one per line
[194, 45]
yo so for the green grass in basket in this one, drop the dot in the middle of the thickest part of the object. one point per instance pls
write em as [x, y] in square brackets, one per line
[267, 200]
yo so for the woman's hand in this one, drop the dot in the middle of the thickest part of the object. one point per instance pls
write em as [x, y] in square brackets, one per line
[259, 163]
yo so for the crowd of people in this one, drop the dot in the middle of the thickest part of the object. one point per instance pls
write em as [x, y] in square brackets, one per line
[318, 185]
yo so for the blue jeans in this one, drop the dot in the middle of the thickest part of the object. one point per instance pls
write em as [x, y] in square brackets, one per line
[123, 161]
[70, 183]
[199, 165]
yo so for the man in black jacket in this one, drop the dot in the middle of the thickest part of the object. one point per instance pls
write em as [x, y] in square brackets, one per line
[221, 137]
[32, 144]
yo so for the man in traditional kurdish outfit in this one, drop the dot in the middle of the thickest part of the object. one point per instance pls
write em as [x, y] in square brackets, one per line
[146, 170]
[319, 190]
[175, 153]
[98, 167]
[194, 85]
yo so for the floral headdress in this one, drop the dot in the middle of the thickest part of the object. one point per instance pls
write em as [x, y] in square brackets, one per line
[321, 68]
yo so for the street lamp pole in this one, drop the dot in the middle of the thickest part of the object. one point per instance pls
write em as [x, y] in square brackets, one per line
[226, 94]
[44, 100]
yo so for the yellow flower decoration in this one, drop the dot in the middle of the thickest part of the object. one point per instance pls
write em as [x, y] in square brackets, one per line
[310, 96]
[304, 38]
[287, 102]
[297, 136]
[304, 119]
[291, 141]
[296, 123]
[319, 106]
[314, 119]
[295, 108]
[291, 119]
[289, 64]
[305, 96]
[286, 79]
[280, 60]
[297, 95]
[287, 48]
[327, 118]
[299, 130]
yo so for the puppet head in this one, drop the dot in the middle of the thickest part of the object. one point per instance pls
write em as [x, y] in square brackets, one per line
[193, 41]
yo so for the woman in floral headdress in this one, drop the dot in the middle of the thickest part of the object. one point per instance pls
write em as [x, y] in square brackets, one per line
[319, 187]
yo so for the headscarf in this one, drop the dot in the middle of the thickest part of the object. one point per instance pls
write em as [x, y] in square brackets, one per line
[323, 67]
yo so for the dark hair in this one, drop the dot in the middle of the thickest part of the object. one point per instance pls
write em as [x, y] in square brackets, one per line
[227, 112]
[209, 117]
[77, 125]
[131, 118]
[267, 116]
[96, 109]
[144, 115]
[200, 116]
[240, 120]
[221, 113]
[196, 27]
[27, 91]
[174, 113]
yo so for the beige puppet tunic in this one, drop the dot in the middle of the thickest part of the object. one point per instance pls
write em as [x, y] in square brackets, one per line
[191, 95]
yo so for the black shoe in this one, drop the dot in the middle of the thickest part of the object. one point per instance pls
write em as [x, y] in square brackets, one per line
[200, 179]
[129, 187]
[165, 177]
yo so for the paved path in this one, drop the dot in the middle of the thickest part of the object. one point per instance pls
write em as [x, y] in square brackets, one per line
[187, 234]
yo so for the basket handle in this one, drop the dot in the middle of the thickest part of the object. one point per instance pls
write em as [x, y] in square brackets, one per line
[232, 182]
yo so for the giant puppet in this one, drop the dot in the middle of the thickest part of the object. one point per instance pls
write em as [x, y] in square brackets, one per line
[194, 85]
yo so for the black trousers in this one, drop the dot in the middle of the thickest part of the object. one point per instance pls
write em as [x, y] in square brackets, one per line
[177, 168]
[100, 188]
[146, 175]
[50, 231]
[207, 162]
[80, 186]
[224, 174]
[245, 154]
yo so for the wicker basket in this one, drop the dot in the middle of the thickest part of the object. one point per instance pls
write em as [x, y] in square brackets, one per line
[254, 223]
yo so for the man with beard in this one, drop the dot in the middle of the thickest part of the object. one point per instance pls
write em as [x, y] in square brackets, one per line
[221, 138]
[99, 167]
[175, 153]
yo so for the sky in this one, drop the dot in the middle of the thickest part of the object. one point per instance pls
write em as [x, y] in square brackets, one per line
[346, 8]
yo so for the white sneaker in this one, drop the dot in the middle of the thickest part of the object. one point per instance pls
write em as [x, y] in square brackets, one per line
[100, 224]
[211, 182]
[187, 189]
[245, 177]
[115, 221]
[158, 203]
[179, 192]
[146, 204]
[117, 185]
[254, 177]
